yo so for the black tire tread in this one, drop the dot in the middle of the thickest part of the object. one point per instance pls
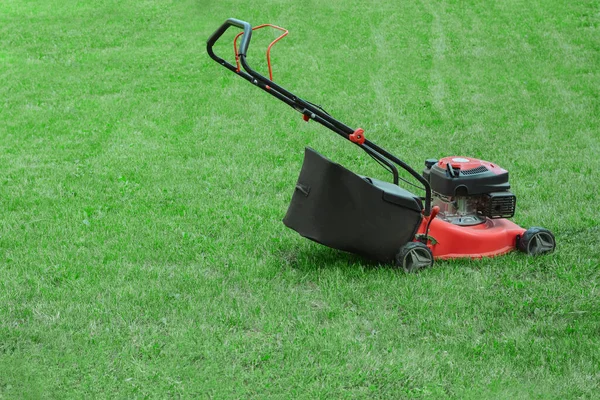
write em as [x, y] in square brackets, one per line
[524, 242]
[401, 256]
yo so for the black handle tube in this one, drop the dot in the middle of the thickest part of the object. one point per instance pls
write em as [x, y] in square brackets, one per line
[300, 103]
[365, 147]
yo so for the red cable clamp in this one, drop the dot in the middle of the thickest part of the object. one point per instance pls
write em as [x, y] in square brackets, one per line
[358, 136]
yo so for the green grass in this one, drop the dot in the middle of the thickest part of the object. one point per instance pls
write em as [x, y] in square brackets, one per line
[142, 188]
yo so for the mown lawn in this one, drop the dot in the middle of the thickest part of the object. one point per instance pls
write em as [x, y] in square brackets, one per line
[142, 188]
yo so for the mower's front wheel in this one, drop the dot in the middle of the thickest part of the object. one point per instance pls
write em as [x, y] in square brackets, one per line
[536, 241]
[414, 256]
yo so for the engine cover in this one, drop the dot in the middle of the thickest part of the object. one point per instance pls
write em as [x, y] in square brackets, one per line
[464, 176]
[469, 190]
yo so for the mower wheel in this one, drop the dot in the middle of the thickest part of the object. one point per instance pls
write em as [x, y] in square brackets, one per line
[536, 241]
[414, 256]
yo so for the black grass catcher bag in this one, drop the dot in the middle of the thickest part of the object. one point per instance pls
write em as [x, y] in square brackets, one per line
[338, 208]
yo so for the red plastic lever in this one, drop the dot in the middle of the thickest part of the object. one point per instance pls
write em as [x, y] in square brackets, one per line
[358, 136]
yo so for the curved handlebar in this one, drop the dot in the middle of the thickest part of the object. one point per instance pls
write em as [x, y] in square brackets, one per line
[219, 32]
[233, 22]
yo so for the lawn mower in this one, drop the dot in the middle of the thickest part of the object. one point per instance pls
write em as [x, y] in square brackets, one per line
[464, 213]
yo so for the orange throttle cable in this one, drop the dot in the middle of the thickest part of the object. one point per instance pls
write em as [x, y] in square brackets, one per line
[235, 49]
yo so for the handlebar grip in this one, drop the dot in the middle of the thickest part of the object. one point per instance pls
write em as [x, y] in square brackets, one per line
[232, 22]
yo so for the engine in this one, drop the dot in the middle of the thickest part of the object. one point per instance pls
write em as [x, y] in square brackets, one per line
[468, 190]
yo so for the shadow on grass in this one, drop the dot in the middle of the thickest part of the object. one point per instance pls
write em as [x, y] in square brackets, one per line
[310, 256]
[317, 256]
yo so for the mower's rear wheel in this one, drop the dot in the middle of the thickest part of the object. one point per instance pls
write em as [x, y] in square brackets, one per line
[536, 241]
[414, 256]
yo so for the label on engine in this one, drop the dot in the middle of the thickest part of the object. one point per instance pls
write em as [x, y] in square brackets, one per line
[460, 159]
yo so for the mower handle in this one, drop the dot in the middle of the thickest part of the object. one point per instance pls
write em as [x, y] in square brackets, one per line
[219, 32]
[308, 109]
